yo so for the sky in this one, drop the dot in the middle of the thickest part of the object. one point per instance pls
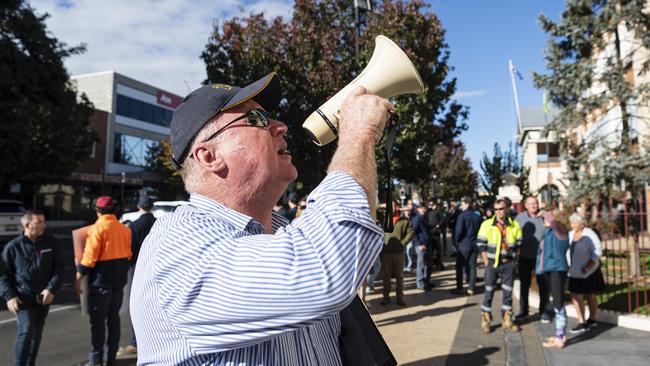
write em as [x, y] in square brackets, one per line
[159, 42]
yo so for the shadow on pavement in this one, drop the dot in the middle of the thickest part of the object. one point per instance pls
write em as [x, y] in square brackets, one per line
[475, 358]
[590, 334]
[424, 313]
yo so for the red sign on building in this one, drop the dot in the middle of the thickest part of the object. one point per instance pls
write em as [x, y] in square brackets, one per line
[167, 99]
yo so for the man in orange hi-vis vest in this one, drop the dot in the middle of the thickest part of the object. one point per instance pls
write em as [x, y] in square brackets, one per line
[105, 260]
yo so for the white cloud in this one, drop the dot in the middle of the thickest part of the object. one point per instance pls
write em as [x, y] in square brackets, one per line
[157, 42]
[469, 94]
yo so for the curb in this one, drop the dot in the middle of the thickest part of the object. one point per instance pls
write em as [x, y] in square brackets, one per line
[629, 321]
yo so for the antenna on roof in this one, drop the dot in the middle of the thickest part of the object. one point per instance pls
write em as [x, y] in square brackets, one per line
[187, 86]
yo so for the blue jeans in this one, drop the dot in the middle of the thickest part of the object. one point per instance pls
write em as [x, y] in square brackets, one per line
[104, 309]
[424, 267]
[375, 270]
[29, 328]
[410, 260]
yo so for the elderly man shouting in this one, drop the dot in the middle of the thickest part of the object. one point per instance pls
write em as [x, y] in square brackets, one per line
[223, 280]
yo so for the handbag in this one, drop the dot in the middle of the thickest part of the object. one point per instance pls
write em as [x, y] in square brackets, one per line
[360, 342]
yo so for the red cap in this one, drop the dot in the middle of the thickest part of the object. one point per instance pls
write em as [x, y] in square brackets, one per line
[105, 201]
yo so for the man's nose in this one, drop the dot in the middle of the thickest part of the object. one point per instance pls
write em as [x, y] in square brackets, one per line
[278, 128]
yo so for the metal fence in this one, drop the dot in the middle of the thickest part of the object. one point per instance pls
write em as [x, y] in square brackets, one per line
[623, 230]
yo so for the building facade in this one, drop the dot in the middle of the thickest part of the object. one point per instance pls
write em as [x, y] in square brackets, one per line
[131, 118]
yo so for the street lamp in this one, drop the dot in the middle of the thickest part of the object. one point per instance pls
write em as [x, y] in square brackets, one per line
[122, 181]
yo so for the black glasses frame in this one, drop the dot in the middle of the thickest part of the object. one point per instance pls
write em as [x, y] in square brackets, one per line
[255, 117]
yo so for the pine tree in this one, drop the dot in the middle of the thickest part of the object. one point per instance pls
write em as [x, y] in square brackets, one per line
[500, 163]
[597, 58]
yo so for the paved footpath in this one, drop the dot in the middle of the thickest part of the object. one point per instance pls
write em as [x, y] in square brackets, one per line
[437, 328]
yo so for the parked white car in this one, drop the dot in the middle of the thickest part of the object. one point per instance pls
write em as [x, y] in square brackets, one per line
[10, 213]
[160, 208]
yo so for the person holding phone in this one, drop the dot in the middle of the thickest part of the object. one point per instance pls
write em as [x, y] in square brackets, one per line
[32, 275]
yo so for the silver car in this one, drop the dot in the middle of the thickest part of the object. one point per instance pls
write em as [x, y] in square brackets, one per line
[10, 213]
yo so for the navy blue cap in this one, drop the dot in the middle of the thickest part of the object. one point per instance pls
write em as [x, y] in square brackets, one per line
[145, 203]
[201, 105]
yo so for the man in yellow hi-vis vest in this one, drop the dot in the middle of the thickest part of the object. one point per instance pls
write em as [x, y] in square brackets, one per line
[498, 240]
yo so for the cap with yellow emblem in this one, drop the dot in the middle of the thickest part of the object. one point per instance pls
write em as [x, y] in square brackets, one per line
[201, 105]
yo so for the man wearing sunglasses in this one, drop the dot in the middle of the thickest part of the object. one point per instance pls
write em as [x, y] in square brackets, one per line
[498, 240]
[223, 280]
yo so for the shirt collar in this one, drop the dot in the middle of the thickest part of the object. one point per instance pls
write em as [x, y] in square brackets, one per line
[235, 218]
[496, 222]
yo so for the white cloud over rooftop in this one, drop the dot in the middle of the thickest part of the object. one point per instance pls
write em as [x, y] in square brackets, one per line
[157, 42]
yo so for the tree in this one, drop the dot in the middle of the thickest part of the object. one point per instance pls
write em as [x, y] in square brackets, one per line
[44, 130]
[159, 161]
[314, 54]
[499, 164]
[455, 177]
[595, 57]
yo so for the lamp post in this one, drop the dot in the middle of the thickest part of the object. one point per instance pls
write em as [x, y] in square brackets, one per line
[122, 181]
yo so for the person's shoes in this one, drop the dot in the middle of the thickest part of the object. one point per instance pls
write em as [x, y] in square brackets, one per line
[522, 315]
[545, 318]
[384, 302]
[401, 303]
[507, 322]
[458, 291]
[93, 363]
[554, 342]
[486, 320]
[591, 323]
[128, 350]
[580, 328]
[470, 292]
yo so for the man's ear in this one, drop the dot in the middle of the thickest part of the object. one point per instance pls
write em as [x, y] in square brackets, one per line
[210, 159]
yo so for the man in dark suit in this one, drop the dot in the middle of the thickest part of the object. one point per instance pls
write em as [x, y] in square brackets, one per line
[139, 230]
[465, 233]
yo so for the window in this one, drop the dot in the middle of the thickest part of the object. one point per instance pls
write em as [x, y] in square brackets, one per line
[548, 152]
[92, 150]
[136, 109]
[134, 150]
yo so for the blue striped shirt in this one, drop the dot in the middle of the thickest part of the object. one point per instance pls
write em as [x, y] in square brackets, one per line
[210, 288]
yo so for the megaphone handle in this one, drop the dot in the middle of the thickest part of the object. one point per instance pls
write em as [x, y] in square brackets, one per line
[390, 138]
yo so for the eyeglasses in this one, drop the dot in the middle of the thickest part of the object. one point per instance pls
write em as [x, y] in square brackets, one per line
[255, 117]
[499, 209]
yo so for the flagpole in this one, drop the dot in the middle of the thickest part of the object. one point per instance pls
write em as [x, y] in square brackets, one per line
[511, 68]
[549, 191]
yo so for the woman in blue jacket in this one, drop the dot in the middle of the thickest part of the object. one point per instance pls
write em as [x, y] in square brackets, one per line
[551, 262]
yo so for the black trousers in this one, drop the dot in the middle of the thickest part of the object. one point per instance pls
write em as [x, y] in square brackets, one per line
[526, 270]
[466, 264]
[104, 308]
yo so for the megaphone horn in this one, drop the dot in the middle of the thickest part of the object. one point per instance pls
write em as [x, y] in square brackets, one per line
[388, 73]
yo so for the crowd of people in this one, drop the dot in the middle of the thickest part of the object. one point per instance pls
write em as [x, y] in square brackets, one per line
[234, 278]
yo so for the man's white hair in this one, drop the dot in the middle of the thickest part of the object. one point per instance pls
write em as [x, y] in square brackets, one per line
[191, 172]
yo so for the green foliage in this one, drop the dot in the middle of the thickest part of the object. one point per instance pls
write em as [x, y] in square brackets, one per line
[314, 54]
[159, 161]
[500, 163]
[455, 177]
[595, 57]
[43, 126]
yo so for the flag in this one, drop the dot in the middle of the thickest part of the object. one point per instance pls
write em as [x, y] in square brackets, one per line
[515, 72]
[545, 102]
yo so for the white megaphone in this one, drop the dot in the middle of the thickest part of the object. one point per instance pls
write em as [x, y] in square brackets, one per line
[389, 73]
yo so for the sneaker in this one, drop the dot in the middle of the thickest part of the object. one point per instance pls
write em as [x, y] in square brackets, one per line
[591, 323]
[521, 316]
[545, 318]
[470, 292]
[580, 328]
